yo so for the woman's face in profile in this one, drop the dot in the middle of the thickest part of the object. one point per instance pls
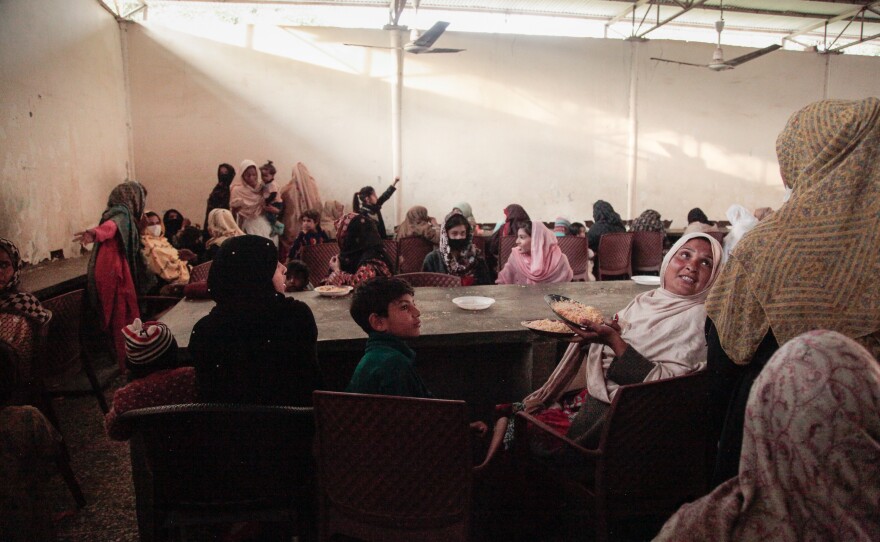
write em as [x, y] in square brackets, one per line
[6, 268]
[523, 241]
[690, 268]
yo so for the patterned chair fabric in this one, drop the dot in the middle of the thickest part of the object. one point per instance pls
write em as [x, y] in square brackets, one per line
[200, 272]
[391, 250]
[412, 254]
[254, 463]
[647, 251]
[62, 347]
[654, 453]
[437, 280]
[480, 242]
[615, 253]
[506, 245]
[392, 468]
[317, 259]
[577, 252]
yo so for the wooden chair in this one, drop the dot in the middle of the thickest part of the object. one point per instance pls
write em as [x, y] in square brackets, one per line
[215, 463]
[394, 468]
[437, 280]
[666, 224]
[653, 456]
[62, 350]
[200, 272]
[647, 251]
[317, 259]
[722, 223]
[505, 246]
[588, 223]
[718, 235]
[30, 391]
[577, 252]
[391, 250]
[412, 254]
[615, 253]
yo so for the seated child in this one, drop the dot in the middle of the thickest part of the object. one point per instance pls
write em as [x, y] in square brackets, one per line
[297, 277]
[311, 233]
[155, 376]
[272, 196]
[384, 308]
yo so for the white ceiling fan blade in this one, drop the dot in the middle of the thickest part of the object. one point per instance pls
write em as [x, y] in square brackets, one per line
[438, 50]
[753, 55]
[680, 62]
[368, 46]
[430, 36]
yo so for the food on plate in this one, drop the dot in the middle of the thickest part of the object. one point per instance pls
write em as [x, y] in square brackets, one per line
[551, 326]
[576, 312]
[332, 289]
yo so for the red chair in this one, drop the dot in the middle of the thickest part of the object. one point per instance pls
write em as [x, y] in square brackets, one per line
[647, 251]
[654, 454]
[480, 242]
[577, 252]
[437, 280]
[505, 246]
[394, 468]
[62, 350]
[615, 253]
[200, 272]
[718, 235]
[317, 259]
[412, 254]
[391, 250]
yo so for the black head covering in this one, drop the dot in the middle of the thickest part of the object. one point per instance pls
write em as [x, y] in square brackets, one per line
[697, 215]
[242, 271]
[226, 179]
[172, 226]
[603, 212]
[361, 242]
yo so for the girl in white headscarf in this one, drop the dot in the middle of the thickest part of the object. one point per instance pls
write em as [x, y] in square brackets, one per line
[741, 222]
[658, 335]
[248, 204]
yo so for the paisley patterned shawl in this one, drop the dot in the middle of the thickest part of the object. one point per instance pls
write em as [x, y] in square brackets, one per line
[815, 263]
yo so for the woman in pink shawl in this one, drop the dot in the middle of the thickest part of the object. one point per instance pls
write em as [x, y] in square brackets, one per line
[536, 259]
[248, 202]
[808, 469]
[658, 335]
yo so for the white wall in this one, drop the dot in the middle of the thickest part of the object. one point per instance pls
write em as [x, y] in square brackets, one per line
[545, 122]
[63, 135]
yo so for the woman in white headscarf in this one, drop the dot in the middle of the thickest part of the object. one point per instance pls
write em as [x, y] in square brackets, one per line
[248, 202]
[658, 335]
[741, 222]
[221, 226]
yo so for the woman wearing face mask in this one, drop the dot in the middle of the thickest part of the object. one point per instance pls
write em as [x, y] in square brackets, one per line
[161, 258]
[457, 254]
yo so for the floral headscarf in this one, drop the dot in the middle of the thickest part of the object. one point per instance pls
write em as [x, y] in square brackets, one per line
[464, 263]
[648, 221]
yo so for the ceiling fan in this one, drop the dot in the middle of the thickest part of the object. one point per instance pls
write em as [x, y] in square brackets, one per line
[718, 63]
[420, 43]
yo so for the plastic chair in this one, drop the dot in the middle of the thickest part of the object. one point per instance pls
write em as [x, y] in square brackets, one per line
[718, 235]
[394, 468]
[391, 250]
[480, 242]
[437, 280]
[317, 259]
[577, 252]
[647, 251]
[505, 246]
[208, 463]
[654, 454]
[200, 272]
[666, 224]
[412, 254]
[615, 251]
[62, 350]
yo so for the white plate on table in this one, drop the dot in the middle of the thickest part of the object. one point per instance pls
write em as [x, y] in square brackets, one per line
[334, 291]
[646, 280]
[473, 302]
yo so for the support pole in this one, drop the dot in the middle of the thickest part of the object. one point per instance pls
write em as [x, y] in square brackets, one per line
[396, 118]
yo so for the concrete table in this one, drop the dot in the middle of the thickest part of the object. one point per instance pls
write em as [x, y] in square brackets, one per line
[484, 357]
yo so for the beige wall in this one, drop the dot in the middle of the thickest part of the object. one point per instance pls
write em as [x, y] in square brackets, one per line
[545, 122]
[63, 135]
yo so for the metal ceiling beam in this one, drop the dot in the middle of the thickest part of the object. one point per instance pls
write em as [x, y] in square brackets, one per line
[854, 12]
[850, 44]
[685, 9]
[620, 16]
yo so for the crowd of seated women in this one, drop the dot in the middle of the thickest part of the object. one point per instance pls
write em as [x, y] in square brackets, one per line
[787, 324]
